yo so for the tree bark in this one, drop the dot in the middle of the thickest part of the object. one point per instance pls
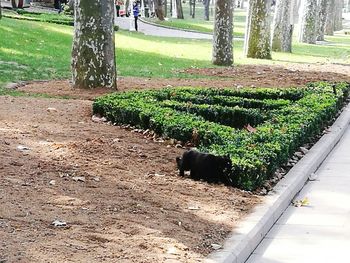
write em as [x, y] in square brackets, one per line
[307, 32]
[329, 28]
[282, 27]
[223, 33]
[258, 30]
[180, 13]
[192, 8]
[159, 10]
[206, 4]
[347, 8]
[321, 19]
[93, 52]
[338, 20]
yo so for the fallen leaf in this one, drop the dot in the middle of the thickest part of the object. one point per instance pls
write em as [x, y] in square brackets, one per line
[302, 202]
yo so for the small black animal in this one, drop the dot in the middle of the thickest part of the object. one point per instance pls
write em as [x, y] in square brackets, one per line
[210, 168]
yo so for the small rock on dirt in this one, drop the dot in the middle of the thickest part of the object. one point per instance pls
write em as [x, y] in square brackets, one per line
[79, 178]
[59, 223]
[216, 246]
[22, 148]
[98, 119]
[51, 109]
[303, 150]
[52, 182]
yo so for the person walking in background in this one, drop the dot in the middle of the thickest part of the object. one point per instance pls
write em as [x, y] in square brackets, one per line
[135, 9]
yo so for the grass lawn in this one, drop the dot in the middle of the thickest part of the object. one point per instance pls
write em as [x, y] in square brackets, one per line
[35, 50]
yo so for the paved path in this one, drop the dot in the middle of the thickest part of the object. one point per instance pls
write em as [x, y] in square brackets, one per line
[319, 232]
[148, 29]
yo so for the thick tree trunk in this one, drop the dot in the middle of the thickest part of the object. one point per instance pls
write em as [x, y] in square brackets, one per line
[307, 32]
[321, 18]
[338, 20]
[159, 10]
[223, 33]
[180, 13]
[282, 27]
[329, 28]
[258, 30]
[93, 53]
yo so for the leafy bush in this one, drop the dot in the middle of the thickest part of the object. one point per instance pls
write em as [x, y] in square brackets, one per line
[284, 119]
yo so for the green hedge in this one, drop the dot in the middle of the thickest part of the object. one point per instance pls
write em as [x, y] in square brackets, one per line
[284, 120]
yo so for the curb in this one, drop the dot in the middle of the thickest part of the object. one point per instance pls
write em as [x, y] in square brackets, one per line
[247, 236]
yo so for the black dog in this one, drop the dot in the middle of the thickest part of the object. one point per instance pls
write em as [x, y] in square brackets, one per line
[210, 168]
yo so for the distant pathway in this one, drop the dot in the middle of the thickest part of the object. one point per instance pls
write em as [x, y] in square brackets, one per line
[153, 30]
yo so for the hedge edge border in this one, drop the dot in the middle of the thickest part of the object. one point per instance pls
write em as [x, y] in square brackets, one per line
[244, 239]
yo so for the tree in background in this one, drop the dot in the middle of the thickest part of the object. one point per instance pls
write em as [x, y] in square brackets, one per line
[308, 21]
[338, 15]
[206, 4]
[223, 33]
[347, 4]
[93, 52]
[329, 28]
[321, 18]
[180, 13]
[282, 26]
[158, 9]
[257, 42]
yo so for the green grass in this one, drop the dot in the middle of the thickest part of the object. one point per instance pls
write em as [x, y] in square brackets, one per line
[199, 24]
[42, 17]
[35, 50]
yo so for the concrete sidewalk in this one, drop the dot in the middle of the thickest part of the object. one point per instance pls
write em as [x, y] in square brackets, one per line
[319, 232]
[152, 30]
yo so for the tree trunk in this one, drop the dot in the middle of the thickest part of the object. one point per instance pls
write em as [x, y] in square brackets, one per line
[338, 20]
[329, 28]
[192, 8]
[282, 27]
[223, 33]
[206, 4]
[180, 13]
[93, 53]
[307, 32]
[158, 9]
[321, 19]
[347, 9]
[258, 30]
[71, 4]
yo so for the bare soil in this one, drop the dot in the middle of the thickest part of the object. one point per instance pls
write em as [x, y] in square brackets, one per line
[117, 190]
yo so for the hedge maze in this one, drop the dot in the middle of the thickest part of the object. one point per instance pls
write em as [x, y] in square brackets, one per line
[258, 128]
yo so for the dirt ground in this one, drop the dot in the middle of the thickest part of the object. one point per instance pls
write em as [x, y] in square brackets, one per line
[115, 190]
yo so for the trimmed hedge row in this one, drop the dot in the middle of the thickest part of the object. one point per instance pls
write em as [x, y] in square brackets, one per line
[223, 100]
[255, 155]
[236, 117]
